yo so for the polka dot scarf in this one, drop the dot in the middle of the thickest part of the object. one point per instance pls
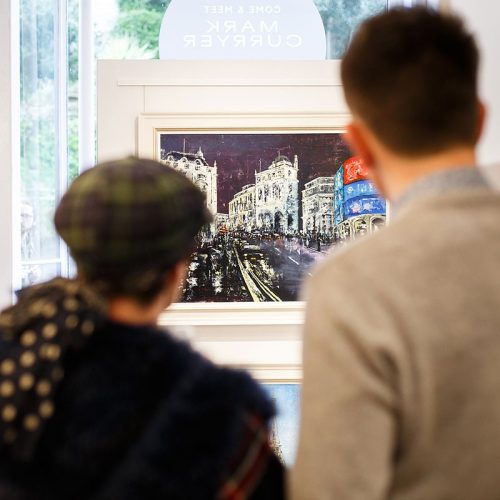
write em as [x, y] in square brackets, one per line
[35, 334]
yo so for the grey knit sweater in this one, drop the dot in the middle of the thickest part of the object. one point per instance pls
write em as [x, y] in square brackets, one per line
[401, 394]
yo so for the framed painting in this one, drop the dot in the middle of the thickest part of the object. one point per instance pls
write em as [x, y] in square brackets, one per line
[283, 194]
[285, 426]
[272, 197]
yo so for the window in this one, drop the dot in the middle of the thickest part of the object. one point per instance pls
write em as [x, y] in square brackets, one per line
[342, 17]
[44, 133]
[127, 29]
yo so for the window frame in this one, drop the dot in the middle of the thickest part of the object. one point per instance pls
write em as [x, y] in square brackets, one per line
[61, 89]
[10, 269]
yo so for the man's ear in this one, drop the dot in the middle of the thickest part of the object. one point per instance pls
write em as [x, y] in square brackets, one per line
[357, 139]
[173, 282]
[481, 120]
[364, 144]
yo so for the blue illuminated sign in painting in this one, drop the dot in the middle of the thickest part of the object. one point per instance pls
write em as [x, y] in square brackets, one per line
[364, 205]
[360, 188]
[339, 179]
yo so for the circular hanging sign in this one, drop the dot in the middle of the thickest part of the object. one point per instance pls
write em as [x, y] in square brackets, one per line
[242, 29]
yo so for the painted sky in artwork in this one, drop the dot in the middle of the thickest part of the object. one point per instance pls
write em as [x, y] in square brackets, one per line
[239, 156]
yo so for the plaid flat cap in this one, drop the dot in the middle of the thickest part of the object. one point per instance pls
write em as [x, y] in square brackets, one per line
[130, 213]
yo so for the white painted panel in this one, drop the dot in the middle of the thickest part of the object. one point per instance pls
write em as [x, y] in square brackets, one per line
[238, 99]
[229, 73]
[270, 352]
[117, 112]
[258, 337]
[135, 97]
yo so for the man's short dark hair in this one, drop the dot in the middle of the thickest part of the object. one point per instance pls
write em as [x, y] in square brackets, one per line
[411, 76]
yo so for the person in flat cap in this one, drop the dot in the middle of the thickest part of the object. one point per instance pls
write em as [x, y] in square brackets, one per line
[97, 402]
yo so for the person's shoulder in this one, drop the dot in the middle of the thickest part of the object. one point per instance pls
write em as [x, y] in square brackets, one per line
[235, 388]
[151, 343]
[365, 258]
[160, 349]
[208, 379]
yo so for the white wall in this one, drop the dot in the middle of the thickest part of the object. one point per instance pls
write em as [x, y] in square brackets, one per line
[483, 18]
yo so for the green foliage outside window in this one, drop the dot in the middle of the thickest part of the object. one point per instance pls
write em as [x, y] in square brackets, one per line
[341, 18]
[135, 34]
[141, 20]
[140, 26]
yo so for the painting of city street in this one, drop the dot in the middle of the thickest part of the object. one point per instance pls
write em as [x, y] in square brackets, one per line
[281, 202]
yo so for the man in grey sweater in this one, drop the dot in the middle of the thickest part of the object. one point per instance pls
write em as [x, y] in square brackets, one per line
[401, 395]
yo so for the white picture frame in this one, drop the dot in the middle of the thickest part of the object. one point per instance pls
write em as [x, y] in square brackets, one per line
[151, 125]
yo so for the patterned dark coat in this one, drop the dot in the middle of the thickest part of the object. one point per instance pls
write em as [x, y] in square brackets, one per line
[140, 416]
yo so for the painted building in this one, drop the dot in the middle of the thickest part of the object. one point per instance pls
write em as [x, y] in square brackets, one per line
[242, 210]
[318, 206]
[338, 203]
[277, 196]
[358, 226]
[196, 168]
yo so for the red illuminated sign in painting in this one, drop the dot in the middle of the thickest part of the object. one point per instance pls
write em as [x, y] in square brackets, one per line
[354, 170]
